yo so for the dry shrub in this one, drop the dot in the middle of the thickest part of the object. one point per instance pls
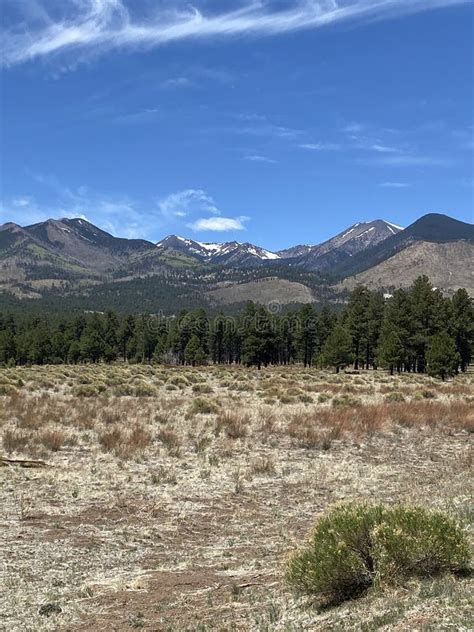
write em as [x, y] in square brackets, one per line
[14, 441]
[110, 439]
[171, 440]
[267, 423]
[235, 425]
[263, 466]
[367, 420]
[312, 430]
[139, 438]
[163, 417]
[319, 429]
[164, 475]
[110, 416]
[446, 416]
[200, 442]
[125, 445]
[171, 404]
[53, 439]
[461, 415]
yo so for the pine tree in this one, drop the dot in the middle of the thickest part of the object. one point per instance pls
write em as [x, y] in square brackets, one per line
[193, 352]
[463, 326]
[111, 330]
[375, 314]
[441, 357]
[74, 352]
[216, 338]
[425, 304]
[337, 351]
[125, 334]
[398, 316]
[356, 321]
[92, 340]
[7, 346]
[390, 352]
[307, 334]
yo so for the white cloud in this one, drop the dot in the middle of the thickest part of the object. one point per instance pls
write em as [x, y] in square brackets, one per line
[406, 160]
[353, 128]
[258, 158]
[320, 146]
[177, 82]
[101, 25]
[120, 215]
[187, 202]
[219, 224]
[21, 202]
[267, 129]
[137, 118]
[394, 185]
[383, 149]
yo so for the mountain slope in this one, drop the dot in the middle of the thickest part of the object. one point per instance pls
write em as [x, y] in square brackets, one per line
[446, 264]
[338, 249]
[24, 258]
[433, 227]
[266, 291]
[85, 244]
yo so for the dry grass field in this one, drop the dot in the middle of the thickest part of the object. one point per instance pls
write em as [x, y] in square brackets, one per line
[172, 496]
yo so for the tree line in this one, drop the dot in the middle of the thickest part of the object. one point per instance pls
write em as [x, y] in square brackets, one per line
[416, 330]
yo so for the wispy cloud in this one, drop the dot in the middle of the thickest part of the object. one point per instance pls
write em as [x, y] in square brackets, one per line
[118, 215]
[21, 202]
[102, 25]
[122, 216]
[353, 128]
[320, 146]
[219, 224]
[394, 185]
[261, 128]
[187, 202]
[177, 82]
[383, 149]
[137, 118]
[258, 158]
[406, 160]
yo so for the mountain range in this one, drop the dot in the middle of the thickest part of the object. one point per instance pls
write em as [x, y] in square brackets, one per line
[72, 261]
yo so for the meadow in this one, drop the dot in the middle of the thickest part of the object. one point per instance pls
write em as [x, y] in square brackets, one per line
[169, 498]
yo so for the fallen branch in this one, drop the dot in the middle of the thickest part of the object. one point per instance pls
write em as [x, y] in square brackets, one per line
[21, 463]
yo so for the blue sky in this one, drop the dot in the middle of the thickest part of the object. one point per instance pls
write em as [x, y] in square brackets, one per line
[273, 121]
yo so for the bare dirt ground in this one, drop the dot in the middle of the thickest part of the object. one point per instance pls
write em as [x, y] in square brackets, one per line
[172, 496]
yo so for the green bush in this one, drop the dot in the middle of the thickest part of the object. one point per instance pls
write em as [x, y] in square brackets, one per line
[394, 396]
[202, 388]
[88, 390]
[203, 406]
[356, 547]
[143, 389]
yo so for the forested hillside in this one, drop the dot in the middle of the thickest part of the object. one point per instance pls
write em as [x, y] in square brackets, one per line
[415, 330]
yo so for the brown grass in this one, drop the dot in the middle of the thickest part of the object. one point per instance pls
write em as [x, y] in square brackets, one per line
[14, 441]
[235, 425]
[52, 439]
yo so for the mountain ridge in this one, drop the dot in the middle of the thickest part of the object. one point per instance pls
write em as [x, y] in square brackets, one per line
[71, 257]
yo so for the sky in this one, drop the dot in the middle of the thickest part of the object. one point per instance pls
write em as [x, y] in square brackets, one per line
[267, 121]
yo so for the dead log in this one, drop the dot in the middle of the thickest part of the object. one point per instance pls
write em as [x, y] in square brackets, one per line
[4, 462]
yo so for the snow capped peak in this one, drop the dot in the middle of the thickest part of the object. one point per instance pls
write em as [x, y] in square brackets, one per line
[218, 251]
[183, 240]
[213, 248]
[393, 225]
